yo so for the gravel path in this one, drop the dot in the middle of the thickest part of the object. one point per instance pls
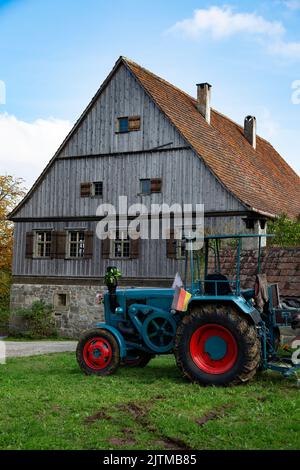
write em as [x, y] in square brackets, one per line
[33, 348]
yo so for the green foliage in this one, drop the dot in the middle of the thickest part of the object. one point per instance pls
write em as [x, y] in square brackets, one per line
[112, 276]
[4, 321]
[36, 321]
[5, 284]
[286, 231]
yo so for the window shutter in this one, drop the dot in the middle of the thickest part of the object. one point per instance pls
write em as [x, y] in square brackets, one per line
[88, 244]
[134, 248]
[53, 245]
[29, 245]
[105, 248]
[134, 123]
[171, 246]
[60, 245]
[85, 189]
[156, 185]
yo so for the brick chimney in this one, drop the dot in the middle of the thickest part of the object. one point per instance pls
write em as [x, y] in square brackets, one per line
[203, 100]
[250, 130]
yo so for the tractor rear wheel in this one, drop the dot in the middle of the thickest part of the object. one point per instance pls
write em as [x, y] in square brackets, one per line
[215, 345]
[98, 352]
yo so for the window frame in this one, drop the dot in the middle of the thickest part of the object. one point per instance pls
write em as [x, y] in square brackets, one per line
[93, 190]
[44, 243]
[130, 127]
[151, 184]
[142, 180]
[122, 241]
[77, 242]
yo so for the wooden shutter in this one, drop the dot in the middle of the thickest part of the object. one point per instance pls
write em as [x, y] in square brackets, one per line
[105, 248]
[53, 245]
[29, 244]
[156, 185]
[134, 248]
[171, 246]
[85, 189]
[134, 123]
[88, 244]
[60, 244]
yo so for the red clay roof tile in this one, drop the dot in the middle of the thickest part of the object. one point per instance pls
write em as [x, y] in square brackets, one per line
[259, 178]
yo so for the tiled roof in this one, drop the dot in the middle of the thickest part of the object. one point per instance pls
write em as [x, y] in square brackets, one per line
[261, 179]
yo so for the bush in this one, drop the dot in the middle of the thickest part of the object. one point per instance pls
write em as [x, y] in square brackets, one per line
[35, 322]
[286, 231]
[4, 321]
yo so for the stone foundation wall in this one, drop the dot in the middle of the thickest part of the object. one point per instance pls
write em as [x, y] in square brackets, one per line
[79, 313]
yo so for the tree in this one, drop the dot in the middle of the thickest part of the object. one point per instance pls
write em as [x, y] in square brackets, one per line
[11, 191]
[286, 231]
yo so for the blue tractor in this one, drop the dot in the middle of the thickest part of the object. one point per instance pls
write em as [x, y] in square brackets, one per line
[220, 334]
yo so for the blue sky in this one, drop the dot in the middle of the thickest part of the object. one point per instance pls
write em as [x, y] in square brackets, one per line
[55, 54]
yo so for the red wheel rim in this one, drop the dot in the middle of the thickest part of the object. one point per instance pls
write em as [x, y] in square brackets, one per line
[213, 349]
[97, 353]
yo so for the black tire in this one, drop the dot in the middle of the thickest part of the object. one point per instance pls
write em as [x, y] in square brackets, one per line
[110, 360]
[141, 359]
[246, 343]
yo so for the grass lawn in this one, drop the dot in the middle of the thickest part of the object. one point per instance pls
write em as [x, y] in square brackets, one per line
[47, 403]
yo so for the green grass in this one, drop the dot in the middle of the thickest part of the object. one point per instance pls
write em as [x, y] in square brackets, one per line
[47, 403]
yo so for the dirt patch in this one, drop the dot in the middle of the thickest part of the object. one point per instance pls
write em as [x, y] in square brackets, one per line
[139, 411]
[121, 441]
[172, 443]
[218, 413]
[100, 415]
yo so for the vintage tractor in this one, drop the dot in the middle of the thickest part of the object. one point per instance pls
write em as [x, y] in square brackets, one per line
[219, 333]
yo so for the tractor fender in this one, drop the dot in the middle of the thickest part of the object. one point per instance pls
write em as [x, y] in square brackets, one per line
[117, 335]
[238, 301]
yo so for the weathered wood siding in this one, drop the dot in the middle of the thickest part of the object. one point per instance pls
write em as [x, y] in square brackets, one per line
[185, 179]
[123, 96]
[152, 261]
[96, 153]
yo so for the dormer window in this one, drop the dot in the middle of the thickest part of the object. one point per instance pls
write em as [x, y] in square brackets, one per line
[128, 124]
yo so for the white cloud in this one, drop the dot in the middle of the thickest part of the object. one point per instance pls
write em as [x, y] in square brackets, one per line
[289, 50]
[26, 147]
[223, 22]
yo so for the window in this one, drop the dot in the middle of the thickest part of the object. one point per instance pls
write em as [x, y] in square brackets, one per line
[149, 186]
[43, 244]
[61, 301]
[128, 124]
[123, 125]
[120, 247]
[145, 186]
[91, 189]
[97, 189]
[76, 244]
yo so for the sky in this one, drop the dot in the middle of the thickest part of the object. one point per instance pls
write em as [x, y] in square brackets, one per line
[55, 54]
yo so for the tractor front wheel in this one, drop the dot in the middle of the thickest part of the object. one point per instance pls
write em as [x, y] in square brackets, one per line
[214, 345]
[98, 352]
[140, 359]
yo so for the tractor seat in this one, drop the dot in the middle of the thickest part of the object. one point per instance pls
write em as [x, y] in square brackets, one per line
[217, 288]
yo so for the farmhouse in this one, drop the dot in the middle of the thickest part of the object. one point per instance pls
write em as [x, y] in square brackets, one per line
[143, 138]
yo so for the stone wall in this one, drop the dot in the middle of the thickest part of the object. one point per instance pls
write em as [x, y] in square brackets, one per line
[79, 312]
